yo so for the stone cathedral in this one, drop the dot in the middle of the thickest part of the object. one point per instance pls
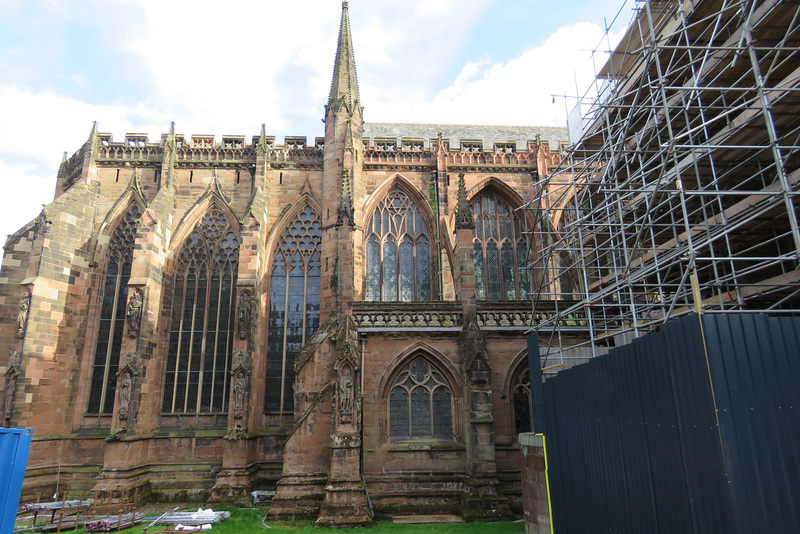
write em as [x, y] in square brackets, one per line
[343, 320]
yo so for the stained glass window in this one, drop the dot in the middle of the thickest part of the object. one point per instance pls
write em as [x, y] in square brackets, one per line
[293, 306]
[522, 402]
[112, 314]
[398, 255]
[420, 404]
[500, 250]
[203, 323]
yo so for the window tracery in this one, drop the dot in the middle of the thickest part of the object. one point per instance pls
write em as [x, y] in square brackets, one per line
[293, 305]
[521, 397]
[112, 313]
[499, 250]
[397, 251]
[420, 404]
[203, 318]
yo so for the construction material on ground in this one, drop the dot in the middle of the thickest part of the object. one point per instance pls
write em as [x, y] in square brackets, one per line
[113, 522]
[263, 497]
[57, 505]
[203, 519]
[199, 517]
[64, 514]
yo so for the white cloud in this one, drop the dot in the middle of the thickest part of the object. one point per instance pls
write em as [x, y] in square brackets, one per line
[516, 92]
[38, 128]
[272, 65]
[46, 124]
[24, 191]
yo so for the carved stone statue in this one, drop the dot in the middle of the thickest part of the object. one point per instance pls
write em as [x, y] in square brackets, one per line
[11, 383]
[235, 434]
[239, 389]
[346, 393]
[125, 395]
[22, 313]
[244, 314]
[8, 396]
[135, 312]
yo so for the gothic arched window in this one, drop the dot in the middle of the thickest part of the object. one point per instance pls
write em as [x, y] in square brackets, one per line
[293, 305]
[398, 251]
[112, 313]
[203, 318]
[420, 404]
[499, 250]
[521, 396]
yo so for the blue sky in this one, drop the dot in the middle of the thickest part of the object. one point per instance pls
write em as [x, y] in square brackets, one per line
[227, 67]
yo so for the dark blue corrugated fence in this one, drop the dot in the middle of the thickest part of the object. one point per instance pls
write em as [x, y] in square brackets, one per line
[687, 430]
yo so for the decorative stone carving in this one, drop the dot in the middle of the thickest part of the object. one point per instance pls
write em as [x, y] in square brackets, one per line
[347, 347]
[134, 313]
[463, 214]
[244, 314]
[125, 386]
[235, 434]
[345, 210]
[240, 362]
[22, 313]
[239, 392]
[346, 394]
[11, 376]
[129, 368]
[412, 319]
[240, 371]
[476, 355]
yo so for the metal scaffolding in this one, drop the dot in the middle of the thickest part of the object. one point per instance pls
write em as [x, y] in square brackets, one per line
[682, 193]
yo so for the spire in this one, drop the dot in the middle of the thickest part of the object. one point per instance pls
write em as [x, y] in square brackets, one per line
[344, 88]
[93, 134]
[168, 164]
[262, 140]
[346, 203]
[62, 169]
[463, 215]
[170, 143]
[91, 144]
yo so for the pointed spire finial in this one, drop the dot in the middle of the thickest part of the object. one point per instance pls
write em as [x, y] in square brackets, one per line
[92, 141]
[262, 144]
[62, 169]
[344, 88]
[463, 215]
[346, 210]
[170, 143]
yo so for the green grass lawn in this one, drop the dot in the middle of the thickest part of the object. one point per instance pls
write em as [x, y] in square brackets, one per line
[248, 521]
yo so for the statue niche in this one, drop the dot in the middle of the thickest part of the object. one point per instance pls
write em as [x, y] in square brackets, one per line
[22, 313]
[134, 313]
[244, 314]
[240, 381]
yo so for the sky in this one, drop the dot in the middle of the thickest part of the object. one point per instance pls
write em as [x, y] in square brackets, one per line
[225, 68]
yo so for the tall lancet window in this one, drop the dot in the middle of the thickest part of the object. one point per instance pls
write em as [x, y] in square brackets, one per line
[202, 327]
[293, 305]
[398, 251]
[112, 313]
[499, 250]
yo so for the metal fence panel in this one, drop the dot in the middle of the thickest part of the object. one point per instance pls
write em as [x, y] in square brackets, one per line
[691, 429]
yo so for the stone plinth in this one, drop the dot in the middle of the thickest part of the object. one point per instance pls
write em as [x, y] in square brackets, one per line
[534, 484]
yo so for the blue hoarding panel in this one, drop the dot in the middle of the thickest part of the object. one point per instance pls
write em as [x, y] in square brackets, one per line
[14, 446]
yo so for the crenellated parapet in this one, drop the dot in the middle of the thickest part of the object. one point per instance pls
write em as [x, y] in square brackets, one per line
[480, 155]
[196, 151]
